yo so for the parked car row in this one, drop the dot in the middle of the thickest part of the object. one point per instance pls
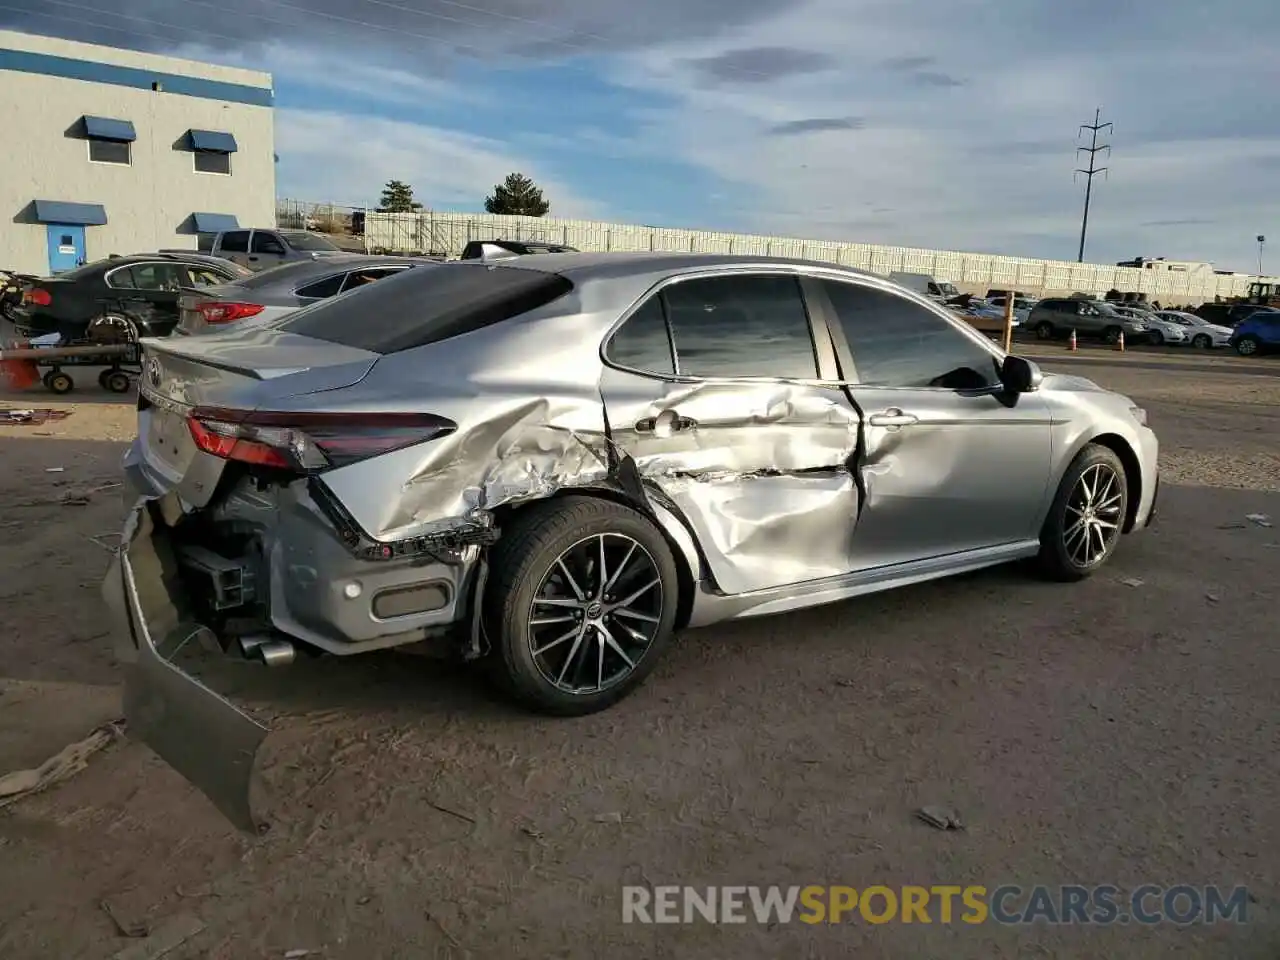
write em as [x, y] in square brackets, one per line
[253, 277]
[1058, 318]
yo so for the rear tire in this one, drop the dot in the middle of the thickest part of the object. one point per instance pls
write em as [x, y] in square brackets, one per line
[1112, 335]
[1044, 330]
[1247, 346]
[1157, 338]
[1087, 516]
[597, 641]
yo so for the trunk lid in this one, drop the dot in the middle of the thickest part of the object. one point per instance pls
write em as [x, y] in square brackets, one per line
[258, 369]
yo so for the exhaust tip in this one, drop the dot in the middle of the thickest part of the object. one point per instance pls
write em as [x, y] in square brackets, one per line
[276, 653]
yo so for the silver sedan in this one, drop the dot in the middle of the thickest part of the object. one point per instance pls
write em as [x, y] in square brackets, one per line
[275, 293]
[554, 464]
[1198, 331]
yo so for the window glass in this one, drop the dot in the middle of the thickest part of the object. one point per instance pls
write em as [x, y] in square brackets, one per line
[358, 278]
[302, 240]
[266, 243]
[204, 277]
[427, 305]
[236, 241]
[741, 326]
[208, 161]
[108, 151]
[121, 279]
[897, 343]
[641, 343]
[157, 276]
[328, 287]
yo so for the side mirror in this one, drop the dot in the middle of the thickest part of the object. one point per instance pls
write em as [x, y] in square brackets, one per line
[1020, 375]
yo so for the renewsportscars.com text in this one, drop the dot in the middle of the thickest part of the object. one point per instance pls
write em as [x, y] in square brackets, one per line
[940, 903]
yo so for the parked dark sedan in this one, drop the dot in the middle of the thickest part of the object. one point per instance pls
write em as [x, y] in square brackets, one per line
[144, 288]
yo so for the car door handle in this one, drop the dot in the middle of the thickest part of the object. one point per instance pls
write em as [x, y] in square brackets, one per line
[664, 424]
[893, 417]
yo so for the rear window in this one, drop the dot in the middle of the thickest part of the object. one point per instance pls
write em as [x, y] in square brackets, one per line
[427, 306]
[308, 241]
[288, 274]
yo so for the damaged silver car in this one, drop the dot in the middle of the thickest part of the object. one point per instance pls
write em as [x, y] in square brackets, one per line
[557, 462]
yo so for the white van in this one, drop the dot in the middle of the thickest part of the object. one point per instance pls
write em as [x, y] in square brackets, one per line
[924, 284]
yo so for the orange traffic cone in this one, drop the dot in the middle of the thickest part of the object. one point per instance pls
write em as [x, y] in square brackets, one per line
[1073, 341]
[1120, 342]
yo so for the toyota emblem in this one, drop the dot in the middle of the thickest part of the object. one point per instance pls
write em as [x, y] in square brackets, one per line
[153, 372]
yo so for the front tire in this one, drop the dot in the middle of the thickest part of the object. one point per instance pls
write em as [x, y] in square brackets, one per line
[581, 604]
[1087, 516]
[1202, 341]
[1112, 335]
[1044, 330]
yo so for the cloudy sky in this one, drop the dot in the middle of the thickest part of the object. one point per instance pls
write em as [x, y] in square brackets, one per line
[939, 123]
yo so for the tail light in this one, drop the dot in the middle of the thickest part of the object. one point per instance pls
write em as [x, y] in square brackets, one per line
[221, 311]
[309, 442]
[38, 296]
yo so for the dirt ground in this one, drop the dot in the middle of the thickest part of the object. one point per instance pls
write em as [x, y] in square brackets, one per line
[1123, 730]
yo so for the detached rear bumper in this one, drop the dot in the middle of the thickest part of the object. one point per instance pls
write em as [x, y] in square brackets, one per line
[196, 731]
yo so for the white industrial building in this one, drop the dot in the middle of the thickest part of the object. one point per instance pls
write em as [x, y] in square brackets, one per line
[117, 151]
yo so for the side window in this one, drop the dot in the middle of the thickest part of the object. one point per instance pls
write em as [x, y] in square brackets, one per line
[266, 243]
[641, 343]
[897, 343]
[237, 241]
[204, 277]
[358, 278]
[741, 326]
[157, 276]
[121, 279]
[328, 287]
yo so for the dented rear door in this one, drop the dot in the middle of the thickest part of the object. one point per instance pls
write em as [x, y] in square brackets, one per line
[759, 468]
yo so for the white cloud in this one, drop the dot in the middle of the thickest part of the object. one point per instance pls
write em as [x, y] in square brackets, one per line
[344, 159]
[967, 141]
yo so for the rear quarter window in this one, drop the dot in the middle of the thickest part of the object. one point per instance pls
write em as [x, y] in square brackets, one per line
[419, 307]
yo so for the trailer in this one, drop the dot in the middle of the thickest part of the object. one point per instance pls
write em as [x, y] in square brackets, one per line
[111, 342]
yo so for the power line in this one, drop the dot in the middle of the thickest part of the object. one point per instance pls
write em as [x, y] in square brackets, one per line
[1093, 169]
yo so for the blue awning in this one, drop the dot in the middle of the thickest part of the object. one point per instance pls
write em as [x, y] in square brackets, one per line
[62, 211]
[212, 140]
[215, 222]
[104, 128]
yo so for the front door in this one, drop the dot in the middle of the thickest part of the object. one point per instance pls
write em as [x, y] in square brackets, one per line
[66, 247]
[757, 462]
[950, 462]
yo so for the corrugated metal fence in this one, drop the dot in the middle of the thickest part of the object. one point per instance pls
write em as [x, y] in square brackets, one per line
[447, 233]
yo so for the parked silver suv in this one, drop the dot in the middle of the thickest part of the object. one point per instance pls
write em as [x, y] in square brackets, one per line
[1054, 319]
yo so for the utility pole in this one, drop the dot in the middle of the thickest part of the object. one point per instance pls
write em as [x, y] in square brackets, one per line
[1093, 170]
[1261, 243]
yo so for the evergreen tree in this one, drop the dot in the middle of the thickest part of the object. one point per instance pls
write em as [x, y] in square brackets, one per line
[397, 197]
[517, 195]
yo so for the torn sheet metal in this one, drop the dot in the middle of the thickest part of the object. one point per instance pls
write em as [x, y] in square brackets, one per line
[502, 452]
[760, 471]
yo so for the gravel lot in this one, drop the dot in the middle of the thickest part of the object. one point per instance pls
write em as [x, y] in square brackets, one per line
[1115, 731]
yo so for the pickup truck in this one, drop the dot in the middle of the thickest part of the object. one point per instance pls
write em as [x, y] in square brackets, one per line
[261, 248]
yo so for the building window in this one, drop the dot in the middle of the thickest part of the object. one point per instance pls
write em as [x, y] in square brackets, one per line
[211, 161]
[109, 151]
